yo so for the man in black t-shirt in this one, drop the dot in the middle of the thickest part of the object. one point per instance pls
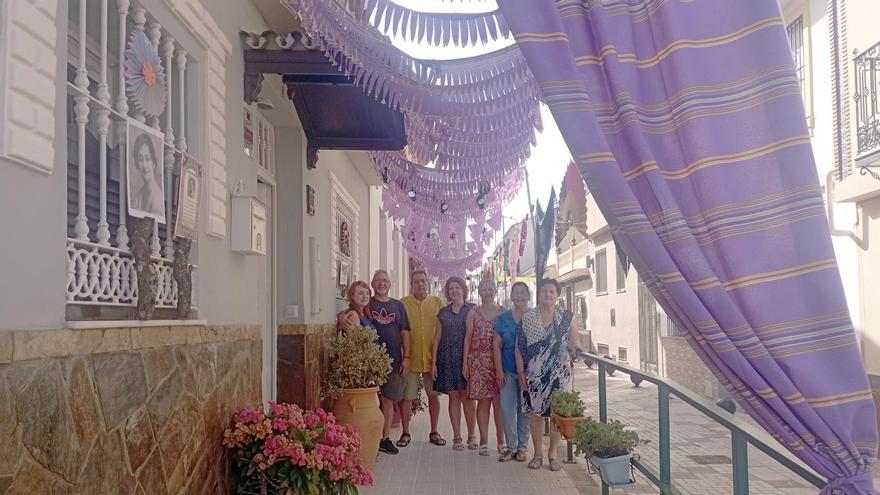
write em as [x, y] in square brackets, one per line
[389, 317]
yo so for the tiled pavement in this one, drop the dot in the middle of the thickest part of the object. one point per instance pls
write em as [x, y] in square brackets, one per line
[426, 469]
[692, 434]
[423, 468]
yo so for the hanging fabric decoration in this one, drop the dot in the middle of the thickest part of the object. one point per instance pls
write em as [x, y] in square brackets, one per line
[470, 122]
[144, 75]
[431, 28]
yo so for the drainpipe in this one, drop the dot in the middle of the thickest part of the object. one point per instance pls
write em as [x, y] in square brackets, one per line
[860, 240]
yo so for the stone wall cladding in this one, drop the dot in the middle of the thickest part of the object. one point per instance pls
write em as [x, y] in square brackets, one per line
[682, 365]
[139, 410]
[302, 362]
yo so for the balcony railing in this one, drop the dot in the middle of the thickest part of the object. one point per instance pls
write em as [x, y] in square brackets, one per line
[742, 434]
[867, 106]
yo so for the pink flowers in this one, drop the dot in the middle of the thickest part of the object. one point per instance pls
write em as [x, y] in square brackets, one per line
[286, 447]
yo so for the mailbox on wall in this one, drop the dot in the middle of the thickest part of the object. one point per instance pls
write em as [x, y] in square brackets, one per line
[249, 221]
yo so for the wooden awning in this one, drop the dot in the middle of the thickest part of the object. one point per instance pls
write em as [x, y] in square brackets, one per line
[335, 114]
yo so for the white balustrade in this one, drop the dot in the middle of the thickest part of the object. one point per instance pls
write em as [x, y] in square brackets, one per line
[81, 111]
[122, 109]
[181, 76]
[168, 52]
[103, 116]
[140, 21]
[100, 275]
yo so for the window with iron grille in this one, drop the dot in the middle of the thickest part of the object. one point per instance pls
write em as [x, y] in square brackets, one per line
[105, 111]
[602, 349]
[621, 354]
[795, 32]
[867, 99]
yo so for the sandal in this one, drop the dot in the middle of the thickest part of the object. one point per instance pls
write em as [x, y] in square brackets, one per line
[472, 443]
[484, 449]
[505, 456]
[521, 456]
[457, 444]
[436, 439]
[555, 465]
[405, 439]
[536, 463]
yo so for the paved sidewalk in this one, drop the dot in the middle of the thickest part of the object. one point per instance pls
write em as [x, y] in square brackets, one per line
[701, 448]
[426, 469]
[700, 455]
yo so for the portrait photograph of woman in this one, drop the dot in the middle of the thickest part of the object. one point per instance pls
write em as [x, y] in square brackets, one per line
[146, 173]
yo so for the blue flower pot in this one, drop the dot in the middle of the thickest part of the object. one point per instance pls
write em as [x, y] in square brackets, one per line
[614, 471]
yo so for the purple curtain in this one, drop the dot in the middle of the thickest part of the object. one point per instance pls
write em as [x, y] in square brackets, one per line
[687, 124]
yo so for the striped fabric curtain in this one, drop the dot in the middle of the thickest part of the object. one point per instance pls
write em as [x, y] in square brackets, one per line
[686, 121]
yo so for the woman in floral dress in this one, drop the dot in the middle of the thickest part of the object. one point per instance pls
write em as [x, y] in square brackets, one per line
[479, 363]
[448, 359]
[547, 339]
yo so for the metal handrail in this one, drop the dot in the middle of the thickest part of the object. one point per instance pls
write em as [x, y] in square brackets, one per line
[742, 434]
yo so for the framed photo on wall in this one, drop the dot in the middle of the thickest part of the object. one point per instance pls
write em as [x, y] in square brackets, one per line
[145, 172]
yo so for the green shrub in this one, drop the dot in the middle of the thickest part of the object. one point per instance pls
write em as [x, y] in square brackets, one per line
[355, 361]
[604, 440]
[567, 404]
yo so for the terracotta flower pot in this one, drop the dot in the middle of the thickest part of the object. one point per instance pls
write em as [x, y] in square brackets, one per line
[359, 407]
[566, 426]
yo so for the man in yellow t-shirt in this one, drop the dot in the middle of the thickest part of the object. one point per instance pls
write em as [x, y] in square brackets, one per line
[421, 311]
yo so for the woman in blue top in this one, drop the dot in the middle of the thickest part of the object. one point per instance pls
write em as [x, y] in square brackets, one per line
[356, 314]
[516, 422]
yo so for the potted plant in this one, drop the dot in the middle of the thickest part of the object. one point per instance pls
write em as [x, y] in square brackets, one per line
[608, 447]
[357, 366]
[286, 450]
[567, 409]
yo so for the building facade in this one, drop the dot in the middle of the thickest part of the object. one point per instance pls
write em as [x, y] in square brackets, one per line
[836, 49]
[101, 394]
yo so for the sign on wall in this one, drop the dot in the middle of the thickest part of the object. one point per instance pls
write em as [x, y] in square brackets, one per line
[189, 192]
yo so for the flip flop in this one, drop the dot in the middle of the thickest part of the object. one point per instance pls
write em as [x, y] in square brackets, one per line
[555, 465]
[404, 440]
[484, 450]
[436, 439]
[536, 463]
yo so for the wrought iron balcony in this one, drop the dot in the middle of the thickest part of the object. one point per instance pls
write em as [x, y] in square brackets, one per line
[867, 101]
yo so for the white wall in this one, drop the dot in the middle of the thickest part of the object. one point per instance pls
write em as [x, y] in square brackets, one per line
[625, 333]
[33, 195]
[821, 119]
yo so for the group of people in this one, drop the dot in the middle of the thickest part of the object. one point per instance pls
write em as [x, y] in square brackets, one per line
[484, 357]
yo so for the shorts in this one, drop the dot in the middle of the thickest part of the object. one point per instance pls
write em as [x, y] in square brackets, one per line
[393, 387]
[411, 385]
[406, 387]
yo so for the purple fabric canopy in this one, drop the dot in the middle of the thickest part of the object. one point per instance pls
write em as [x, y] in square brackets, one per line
[687, 124]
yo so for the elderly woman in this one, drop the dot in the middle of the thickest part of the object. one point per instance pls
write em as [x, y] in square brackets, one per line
[516, 422]
[547, 340]
[479, 363]
[449, 360]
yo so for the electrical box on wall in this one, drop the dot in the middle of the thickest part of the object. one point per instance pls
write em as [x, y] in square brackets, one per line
[248, 226]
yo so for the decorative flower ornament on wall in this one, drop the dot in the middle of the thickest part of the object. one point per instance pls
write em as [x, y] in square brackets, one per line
[144, 75]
